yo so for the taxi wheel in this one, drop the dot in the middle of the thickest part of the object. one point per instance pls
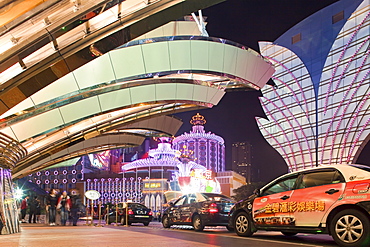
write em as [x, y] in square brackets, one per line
[166, 222]
[197, 223]
[350, 228]
[243, 225]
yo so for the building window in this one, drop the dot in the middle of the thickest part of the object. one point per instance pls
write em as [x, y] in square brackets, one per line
[337, 17]
[296, 38]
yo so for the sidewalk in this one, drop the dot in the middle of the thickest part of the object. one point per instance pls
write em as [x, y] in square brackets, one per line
[36, 235]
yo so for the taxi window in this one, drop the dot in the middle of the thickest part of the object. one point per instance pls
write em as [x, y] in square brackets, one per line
[320, 178]
[280, 186]
[191, 199]
[180, 201]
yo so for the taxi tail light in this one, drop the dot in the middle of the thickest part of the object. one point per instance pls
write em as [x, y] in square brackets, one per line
[213, 208]
[130, 211]
[150, 213]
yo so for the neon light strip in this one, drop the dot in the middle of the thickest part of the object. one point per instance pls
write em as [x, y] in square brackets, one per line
[292, 128]
[295, 96]
[357, 139]
[354, 116]
[339, 60]
[349, 63]
[295, 80]
[280, 127]
[277, 143]
[350, 127]
[334, 116]
[300, 127]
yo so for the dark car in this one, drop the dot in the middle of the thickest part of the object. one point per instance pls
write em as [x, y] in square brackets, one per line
[136, 213]
[198, 210]
[331, 200]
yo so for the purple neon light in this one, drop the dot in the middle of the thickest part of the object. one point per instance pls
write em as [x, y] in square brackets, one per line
[354, 117]
[296, 120]
[339, 60]
[295, 80]
[277, 143]
[291, 126]
[352, 123]
[348, 64]
[334, 116]
[280, 127]
[357, 139]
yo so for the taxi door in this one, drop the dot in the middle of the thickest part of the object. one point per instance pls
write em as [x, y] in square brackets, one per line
[316, 192]
[175, 210]
[186, 209]
[271, 207]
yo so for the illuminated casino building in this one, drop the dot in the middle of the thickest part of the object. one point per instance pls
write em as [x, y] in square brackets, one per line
[208, 148]
[75, 82]
[318, 110]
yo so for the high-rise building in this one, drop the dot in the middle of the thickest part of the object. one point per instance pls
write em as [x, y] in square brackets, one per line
[241, 153]
[318, 108]
[208, 149]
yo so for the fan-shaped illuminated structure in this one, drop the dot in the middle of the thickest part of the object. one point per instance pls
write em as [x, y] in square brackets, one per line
[318, 110]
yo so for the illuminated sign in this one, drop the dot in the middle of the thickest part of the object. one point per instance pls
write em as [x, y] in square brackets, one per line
[199, 181]
[154, 185]
[291, 207]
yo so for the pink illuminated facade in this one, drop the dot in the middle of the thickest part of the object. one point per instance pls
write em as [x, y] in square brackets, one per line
[318, 110]
[208, 149]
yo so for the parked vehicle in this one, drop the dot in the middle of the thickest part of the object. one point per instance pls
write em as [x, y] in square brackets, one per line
[136, 213]
[198, 210]
[332, 200]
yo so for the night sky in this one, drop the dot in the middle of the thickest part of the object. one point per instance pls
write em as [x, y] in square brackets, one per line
[247, 22]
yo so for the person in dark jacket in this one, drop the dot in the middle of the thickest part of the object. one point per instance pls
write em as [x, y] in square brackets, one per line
[33, 204]
[51, 206]
[76, 206]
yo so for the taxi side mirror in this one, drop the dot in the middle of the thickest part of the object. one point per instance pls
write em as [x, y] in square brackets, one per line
[257, 192]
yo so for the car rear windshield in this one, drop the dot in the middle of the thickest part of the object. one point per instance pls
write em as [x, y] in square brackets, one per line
[216, 197]
[362, 167]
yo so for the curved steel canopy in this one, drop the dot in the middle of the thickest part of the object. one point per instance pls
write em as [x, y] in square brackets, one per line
[78, 94]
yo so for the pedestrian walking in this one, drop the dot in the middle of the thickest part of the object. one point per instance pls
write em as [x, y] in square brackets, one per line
[51, 206]
[24, 205]
[64, 205]
[33, 205]
[38, 211]
[76, 206]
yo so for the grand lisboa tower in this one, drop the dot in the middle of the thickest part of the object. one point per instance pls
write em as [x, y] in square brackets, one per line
[207, 148]
[318, 108]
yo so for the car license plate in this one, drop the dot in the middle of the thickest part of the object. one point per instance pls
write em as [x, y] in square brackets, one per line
[141, 216]
[227, 208]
